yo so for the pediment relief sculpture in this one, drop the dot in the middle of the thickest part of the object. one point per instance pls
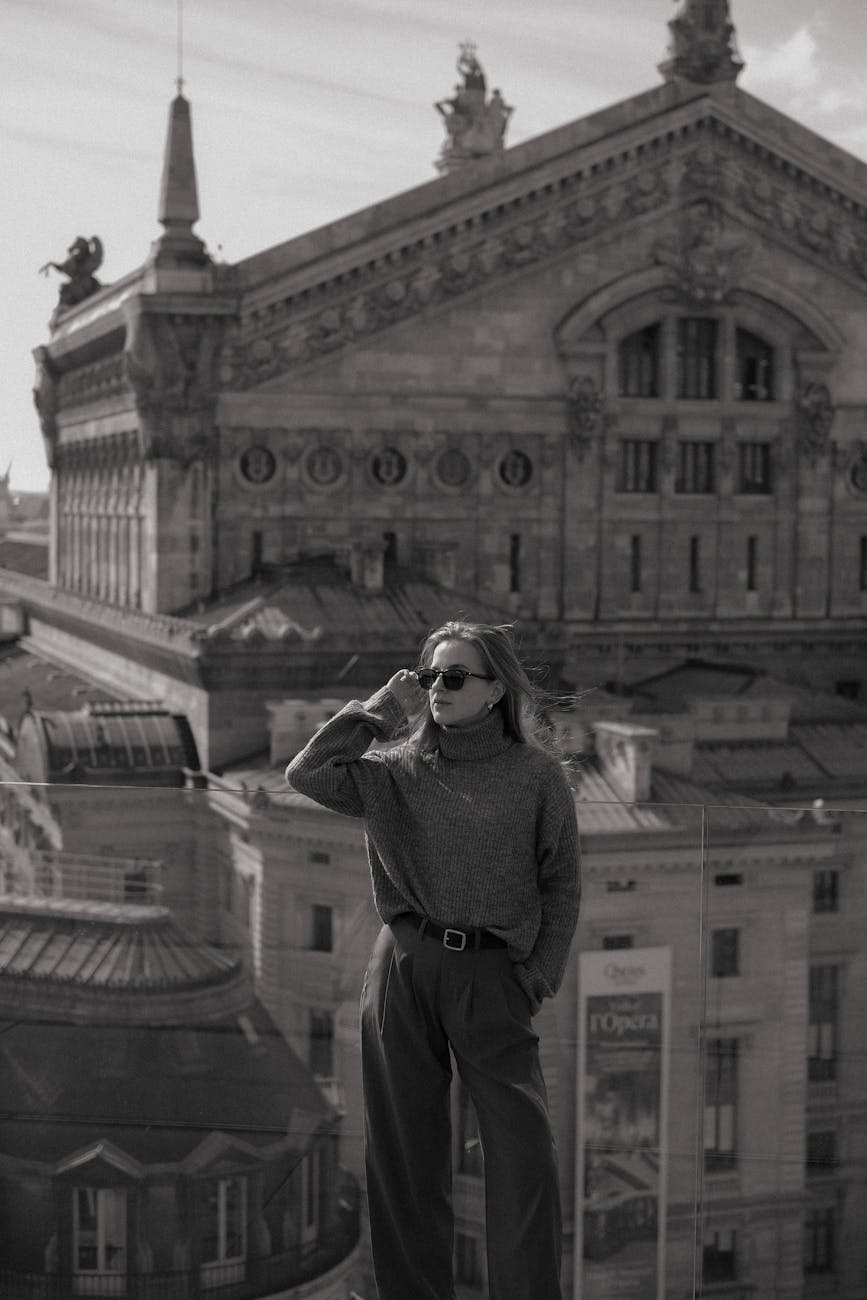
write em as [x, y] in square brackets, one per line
[706, 265]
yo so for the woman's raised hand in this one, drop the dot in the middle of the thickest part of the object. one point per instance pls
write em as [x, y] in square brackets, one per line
[404, 685]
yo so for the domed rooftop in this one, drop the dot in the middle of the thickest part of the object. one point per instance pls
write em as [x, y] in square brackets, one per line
[117, 1025]
[104, 948]
[108, 741]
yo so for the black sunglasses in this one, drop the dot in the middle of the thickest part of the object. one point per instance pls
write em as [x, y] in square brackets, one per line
[453, 678]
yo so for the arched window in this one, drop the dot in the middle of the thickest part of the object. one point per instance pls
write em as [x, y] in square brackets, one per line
[639, 363]
[754, 378]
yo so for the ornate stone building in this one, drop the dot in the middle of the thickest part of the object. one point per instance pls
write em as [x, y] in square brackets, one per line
[612, 377]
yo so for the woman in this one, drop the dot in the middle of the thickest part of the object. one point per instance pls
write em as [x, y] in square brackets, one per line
[473, 850]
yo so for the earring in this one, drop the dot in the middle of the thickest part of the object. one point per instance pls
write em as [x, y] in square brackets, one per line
[490, 705]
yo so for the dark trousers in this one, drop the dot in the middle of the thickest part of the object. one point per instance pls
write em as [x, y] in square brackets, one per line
[418, 1000]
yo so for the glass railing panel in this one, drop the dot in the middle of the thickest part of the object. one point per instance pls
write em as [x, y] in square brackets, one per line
[180, 971]
[782, 1203]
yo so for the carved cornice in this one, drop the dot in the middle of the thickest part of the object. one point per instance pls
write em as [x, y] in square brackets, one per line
[170, 361]
[706, 159]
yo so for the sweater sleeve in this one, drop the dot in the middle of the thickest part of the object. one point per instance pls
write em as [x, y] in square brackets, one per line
[334, 768]
[558, 855]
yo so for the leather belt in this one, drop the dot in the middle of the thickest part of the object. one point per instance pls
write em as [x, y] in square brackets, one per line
[452, 937]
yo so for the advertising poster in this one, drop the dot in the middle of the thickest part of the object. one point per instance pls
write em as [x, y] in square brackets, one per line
[620, 1196]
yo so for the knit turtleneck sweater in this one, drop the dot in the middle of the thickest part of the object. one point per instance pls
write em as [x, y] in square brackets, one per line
[478, 832]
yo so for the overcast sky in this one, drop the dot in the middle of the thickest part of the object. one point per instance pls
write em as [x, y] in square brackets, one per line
[305, 110]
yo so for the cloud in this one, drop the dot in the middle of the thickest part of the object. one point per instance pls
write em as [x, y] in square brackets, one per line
[792, 64]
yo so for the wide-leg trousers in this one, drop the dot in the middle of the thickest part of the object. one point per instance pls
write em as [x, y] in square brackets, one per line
[419, 999]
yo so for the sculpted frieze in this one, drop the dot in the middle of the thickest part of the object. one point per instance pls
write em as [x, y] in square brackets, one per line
[435, 276]
[585, 413]
[708, 166]
[815, 418]
[706, 263]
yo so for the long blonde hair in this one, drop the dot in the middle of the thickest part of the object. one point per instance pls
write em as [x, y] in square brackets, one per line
[521, 703]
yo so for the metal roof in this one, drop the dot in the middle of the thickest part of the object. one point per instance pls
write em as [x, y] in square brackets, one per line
[28, 681]
[157, 1093]
[314, 598]
[840, 748]
[103, 947]
[112, 739]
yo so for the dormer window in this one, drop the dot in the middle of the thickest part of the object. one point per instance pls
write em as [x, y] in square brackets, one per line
[639, 363]
[99, 1240]
[754, 378]
[697, 357]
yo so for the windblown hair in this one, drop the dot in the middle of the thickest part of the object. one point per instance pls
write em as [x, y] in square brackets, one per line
[521, 703]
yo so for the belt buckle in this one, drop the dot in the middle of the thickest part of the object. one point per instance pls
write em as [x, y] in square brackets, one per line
[454, 940]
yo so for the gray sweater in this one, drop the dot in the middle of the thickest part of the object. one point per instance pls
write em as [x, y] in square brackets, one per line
[480, 832]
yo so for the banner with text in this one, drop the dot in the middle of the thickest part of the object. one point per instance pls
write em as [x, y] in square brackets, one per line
[621, 1165]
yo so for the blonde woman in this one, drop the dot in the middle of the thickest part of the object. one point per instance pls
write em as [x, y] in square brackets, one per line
[473, 850]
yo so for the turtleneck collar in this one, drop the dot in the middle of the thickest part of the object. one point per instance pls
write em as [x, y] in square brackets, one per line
[483, 739]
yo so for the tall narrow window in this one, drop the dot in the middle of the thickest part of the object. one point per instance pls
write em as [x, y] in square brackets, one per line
[638, 457]
[754, 467]
[862, 564]
[256, 552]
[725, 959]
[635, 562]
[821, 1152]
[719, 1257]
[99, 1235]
[638, 357]
[389, 553]
[752, 562]
[695, 563]
[822, 1033]
[720, 1104]
[311, 1193]
[322, 928]
[755, 368]
[321, 1050]
[819, 1240]
[224, 1234]
[696, 467]
[826, 890]
[696, 357]
[514, 562]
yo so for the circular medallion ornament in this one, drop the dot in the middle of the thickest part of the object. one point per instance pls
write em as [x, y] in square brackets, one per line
[388, 466]
[323, 466]
[453, 468]
[516, 469]
[258, 465]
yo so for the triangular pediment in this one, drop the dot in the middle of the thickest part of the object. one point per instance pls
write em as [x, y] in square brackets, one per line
[647, 159]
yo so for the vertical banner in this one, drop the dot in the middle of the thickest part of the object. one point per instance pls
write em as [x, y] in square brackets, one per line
[624, 1000]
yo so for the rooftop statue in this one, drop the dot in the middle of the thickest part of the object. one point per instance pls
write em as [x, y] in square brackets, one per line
[703, 46]
[84, 256]
[475, 125]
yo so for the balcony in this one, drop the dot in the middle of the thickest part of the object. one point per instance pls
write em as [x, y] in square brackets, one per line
[271, 1275]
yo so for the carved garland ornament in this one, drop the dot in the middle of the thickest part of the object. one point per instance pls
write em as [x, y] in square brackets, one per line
[705, 262]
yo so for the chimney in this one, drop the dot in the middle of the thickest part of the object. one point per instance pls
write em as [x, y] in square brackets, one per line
[438, 560]
[625, 754]
[366, 566]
